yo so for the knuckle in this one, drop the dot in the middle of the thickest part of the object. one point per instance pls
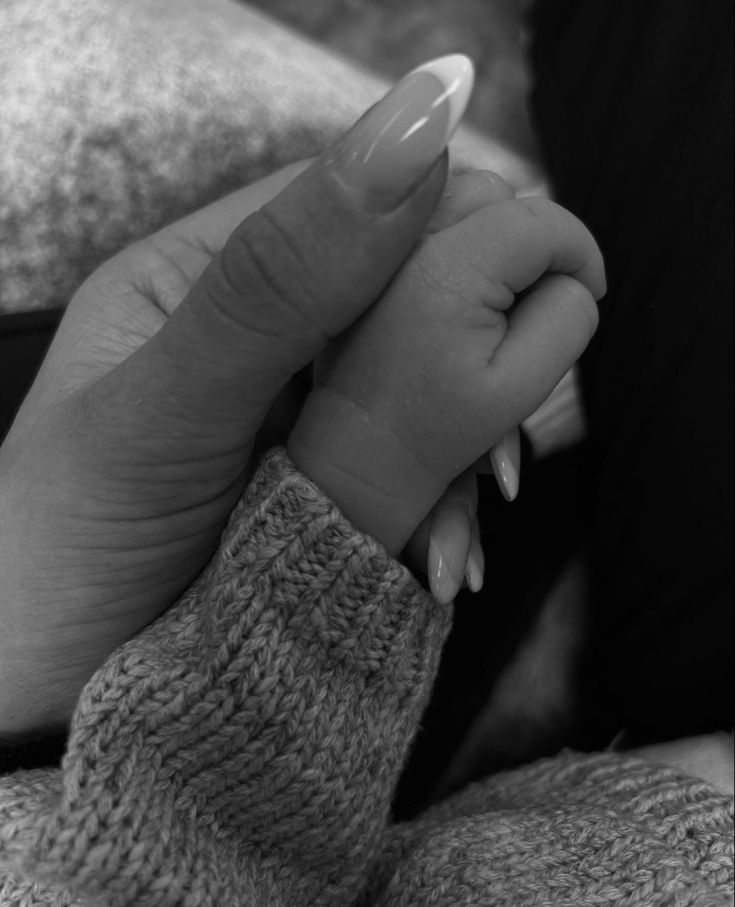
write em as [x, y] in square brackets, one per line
[454, 273]
[163, 270]
[263, 264]
[566, 238]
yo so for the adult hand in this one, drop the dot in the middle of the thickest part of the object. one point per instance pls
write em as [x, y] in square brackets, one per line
[134, 443]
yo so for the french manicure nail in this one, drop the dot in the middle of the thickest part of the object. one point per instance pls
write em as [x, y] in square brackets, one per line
[395, 144]
[505, 459]
[443, 580]
[474, 573]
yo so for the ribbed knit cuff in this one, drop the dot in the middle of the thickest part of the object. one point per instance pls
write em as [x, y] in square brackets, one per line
[250, 739]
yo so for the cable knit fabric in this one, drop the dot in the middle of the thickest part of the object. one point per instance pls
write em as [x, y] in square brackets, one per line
[244, 748]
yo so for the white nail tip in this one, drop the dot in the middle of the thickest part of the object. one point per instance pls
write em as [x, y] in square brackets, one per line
[457, 73]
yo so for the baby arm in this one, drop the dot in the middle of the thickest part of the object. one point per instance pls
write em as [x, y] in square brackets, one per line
[480, 324]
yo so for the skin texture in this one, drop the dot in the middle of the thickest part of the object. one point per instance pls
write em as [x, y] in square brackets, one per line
[135, 441]
[472, 335]
[102, 343]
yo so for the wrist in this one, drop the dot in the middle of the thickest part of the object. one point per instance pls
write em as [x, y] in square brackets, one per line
[380, 486]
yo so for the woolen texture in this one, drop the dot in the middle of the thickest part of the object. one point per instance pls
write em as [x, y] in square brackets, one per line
[118, 118]
[243, 750]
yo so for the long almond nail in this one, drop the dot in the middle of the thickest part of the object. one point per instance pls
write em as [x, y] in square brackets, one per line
[443, 579]
[396, 143]
[449, 544]
[505, 459]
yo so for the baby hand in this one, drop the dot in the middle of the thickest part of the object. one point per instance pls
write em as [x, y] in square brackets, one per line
[473, 333]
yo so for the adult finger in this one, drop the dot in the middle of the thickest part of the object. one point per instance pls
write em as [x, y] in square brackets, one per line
[475, 569]
[505, 461]
[202, 235]
[302, 268]
[451, 537]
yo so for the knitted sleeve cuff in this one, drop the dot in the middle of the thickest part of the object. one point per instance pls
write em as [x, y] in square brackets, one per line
[267, 713]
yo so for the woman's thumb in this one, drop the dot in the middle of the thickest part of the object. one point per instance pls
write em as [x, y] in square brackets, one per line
[301, 269]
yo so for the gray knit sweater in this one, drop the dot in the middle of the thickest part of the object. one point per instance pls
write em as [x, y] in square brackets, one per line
[244, 748]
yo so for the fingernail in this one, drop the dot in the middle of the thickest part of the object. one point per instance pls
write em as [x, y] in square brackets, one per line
[505, 459]
[445, 576]
[396, 143]
[474, 573]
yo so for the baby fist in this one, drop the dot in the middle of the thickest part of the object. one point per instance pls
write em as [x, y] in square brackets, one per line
[471, 336]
